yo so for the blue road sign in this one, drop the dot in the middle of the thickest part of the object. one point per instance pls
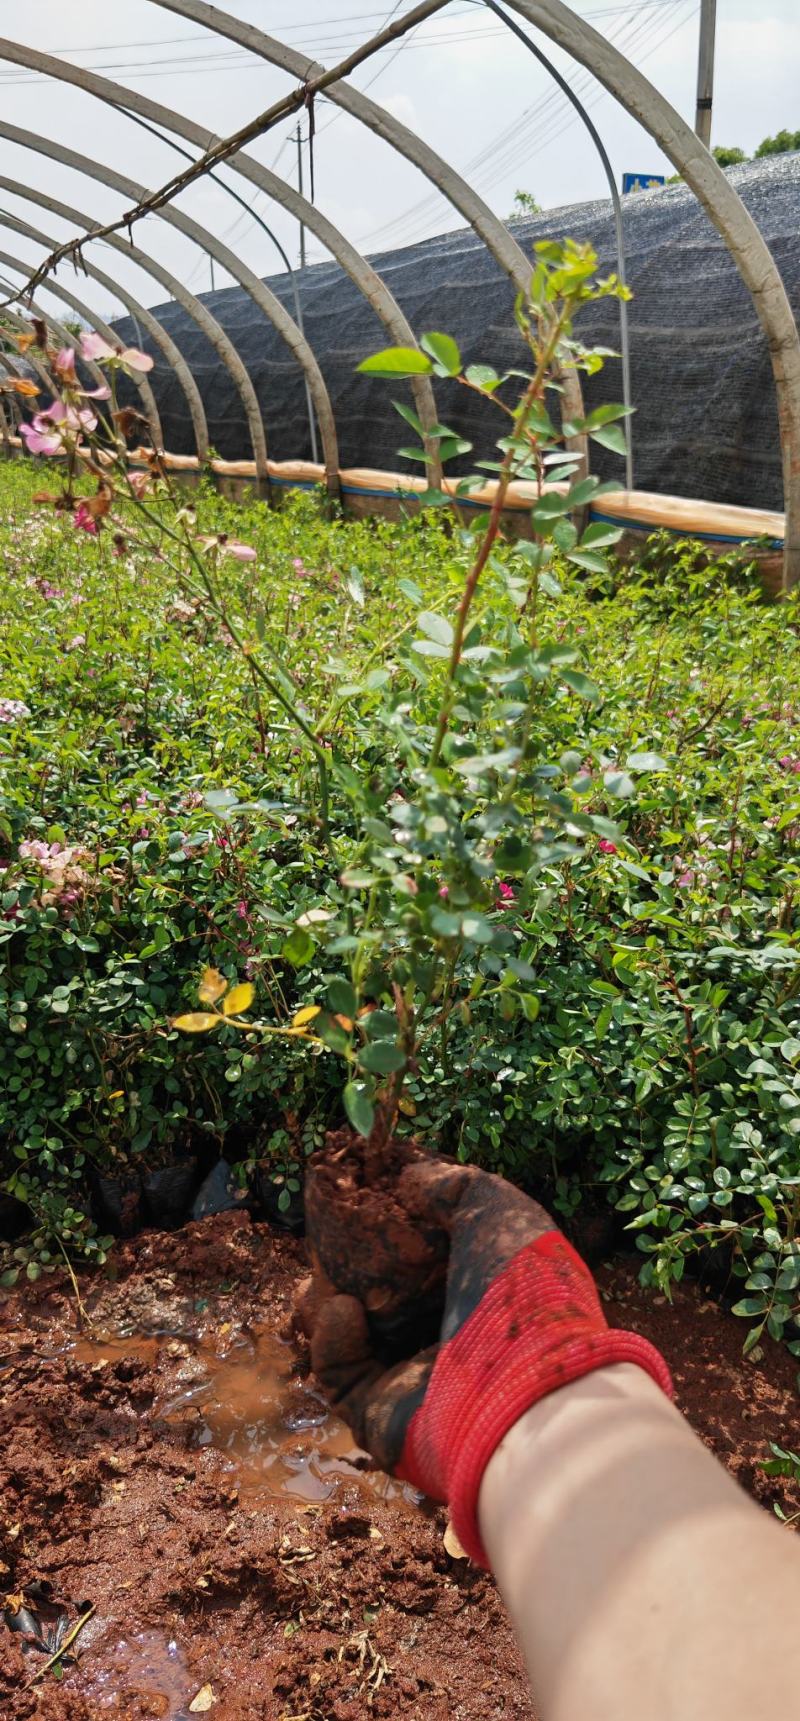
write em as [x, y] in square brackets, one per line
[641, 181]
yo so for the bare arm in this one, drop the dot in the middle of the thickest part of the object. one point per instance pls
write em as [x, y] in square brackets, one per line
[643, 1584]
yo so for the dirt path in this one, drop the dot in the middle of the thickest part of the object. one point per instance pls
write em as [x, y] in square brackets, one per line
[178, 1471]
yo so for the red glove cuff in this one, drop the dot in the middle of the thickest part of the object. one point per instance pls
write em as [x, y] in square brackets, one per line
[538, 1327]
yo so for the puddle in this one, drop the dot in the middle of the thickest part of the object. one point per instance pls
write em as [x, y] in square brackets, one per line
[146, 1673]
[246, 1401]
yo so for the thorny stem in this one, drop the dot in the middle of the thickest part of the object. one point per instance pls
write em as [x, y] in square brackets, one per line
[256, 668]
[490, 535]
[386, 1112]
[688, 1020]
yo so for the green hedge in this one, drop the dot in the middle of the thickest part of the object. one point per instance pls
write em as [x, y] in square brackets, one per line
[153, 822]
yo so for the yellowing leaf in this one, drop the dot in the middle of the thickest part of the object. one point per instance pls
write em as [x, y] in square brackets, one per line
[197, 1022]
[314, 917]
[407, 1107]
[117, 1094]
[239, 998]
[344, 1022]
[202, 1701]
[307, 1014]
[212, 986]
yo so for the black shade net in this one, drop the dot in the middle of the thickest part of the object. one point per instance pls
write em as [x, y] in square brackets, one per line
[706, 421]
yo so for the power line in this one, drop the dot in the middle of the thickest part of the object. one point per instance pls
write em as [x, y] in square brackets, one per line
[528, 128]
[235, 58]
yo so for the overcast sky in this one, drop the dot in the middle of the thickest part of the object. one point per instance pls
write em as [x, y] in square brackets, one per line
[461, 81]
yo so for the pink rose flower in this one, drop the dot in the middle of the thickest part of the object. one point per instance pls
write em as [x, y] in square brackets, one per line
[84, 520]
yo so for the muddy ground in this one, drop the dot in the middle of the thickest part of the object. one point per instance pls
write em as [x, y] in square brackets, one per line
[175, 1469]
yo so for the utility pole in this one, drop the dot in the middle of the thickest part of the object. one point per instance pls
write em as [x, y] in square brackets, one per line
[705, 70]
[299, 142]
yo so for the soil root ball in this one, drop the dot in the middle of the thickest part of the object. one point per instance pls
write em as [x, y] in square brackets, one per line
[365, 1243]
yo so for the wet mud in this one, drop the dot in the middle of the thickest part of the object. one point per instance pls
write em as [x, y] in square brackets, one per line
[175, 1467]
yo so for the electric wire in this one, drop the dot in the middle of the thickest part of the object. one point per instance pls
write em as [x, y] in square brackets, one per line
[525, 134]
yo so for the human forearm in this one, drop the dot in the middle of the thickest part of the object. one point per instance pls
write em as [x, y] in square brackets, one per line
[643, 1585]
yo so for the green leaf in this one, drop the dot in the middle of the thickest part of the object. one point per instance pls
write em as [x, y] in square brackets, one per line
[410, 416]
[395, 362]
[603, 1022]
[435, 627]
[531, 1005]
[599, 536]
[611, 437]
[608, 414]
[445, 351]
[477, 928]
[591, 560]
[332, 1034]
[619, 784]
[342, 999]
[380, 1025]
[582, 685]
[750, 1306]
[298, 948]
[382, 1057]
[483, 376]
[359, 1107]
[446, 925]
[646, 762]
[355, 587]
[477, 764]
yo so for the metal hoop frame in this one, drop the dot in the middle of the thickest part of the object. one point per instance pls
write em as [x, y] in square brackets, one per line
[561, 25]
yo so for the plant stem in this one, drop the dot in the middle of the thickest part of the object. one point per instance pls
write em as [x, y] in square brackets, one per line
[504, 478]
[74, 1632]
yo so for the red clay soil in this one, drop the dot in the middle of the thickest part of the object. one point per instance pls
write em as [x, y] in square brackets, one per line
[367, 1243]
[177, 1470]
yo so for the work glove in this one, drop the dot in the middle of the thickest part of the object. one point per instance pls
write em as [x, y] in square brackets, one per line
[522, 1317]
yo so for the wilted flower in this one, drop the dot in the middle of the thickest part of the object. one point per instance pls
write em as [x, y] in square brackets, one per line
[84, 519]
[607, 848]
[60, 864]
[134, 361]
[13, 711]
[94, 347]
[130, 359]
[64, 365]
[790, 762]
[57, 426]
[77, 640]
[228, 547]
[505, 894]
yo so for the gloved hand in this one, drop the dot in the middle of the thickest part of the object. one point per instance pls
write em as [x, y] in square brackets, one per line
[522, 1318]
